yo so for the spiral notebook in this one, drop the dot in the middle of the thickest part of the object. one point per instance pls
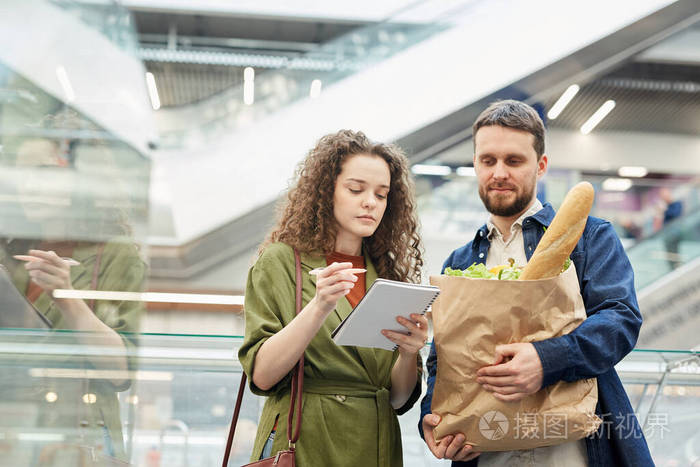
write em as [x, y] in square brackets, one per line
[378, 309]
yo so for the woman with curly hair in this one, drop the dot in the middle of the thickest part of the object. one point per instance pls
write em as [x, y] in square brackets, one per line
[351, 210]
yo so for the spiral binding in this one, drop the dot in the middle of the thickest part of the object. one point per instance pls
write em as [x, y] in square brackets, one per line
[430, 303]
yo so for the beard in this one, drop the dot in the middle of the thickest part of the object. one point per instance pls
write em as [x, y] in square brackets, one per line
[499, 205]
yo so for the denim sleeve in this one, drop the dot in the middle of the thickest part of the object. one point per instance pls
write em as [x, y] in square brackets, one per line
[673, 211]
[611, 329]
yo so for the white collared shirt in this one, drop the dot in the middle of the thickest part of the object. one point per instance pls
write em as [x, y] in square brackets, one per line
[500, 251]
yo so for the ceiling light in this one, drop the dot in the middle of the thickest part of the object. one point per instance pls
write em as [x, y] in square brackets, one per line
[617, 184]
[596, 118]
[62, 76]
[466, 172]
[152, 90]
[315, 90]
[248, 86]
[248, 74]
[421, 169]
[632, 171]
[563, 101]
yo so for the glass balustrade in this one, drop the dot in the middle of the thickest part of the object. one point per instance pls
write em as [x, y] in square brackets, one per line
[677, 244]
[170, 397]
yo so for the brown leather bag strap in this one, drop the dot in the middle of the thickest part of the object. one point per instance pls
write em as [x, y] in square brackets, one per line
[298, 377]
[297, 384]
[234, 421]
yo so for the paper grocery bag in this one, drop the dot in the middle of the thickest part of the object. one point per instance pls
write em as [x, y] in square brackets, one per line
[470, 318]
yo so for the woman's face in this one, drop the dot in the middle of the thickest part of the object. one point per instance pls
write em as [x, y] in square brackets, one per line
[360, 197]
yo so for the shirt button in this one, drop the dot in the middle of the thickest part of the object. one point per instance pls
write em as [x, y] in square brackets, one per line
[481, 233]
[529, 247]
[481, 255]
[340, 397]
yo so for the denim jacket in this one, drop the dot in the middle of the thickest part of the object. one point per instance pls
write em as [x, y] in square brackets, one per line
[591, 350]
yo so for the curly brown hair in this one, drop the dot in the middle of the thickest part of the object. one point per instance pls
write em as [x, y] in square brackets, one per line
[307, 223]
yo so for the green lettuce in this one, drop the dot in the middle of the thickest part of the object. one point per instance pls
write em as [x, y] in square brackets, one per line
[475, 271]
[509, 274]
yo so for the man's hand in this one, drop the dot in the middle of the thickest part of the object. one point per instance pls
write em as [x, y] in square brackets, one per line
[518, 377]
[451, 446]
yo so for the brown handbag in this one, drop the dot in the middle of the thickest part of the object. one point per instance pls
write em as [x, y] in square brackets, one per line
[282, 458]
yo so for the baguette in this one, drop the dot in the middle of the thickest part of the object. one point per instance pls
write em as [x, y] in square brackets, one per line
[562, 235]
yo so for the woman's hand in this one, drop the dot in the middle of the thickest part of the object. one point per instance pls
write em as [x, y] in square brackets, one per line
[417, 337]
[332, 283]
[49, 271]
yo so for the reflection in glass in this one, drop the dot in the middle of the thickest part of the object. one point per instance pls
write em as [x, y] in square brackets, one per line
[73, 211]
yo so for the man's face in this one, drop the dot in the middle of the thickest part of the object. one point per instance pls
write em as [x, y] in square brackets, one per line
[507, 169]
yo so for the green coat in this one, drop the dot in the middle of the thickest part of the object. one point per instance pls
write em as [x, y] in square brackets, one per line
[121, 269]
[347, 417]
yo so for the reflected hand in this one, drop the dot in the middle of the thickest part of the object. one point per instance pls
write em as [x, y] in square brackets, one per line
[518, 377]
[416, 338]
[49, 271]
[451, 446]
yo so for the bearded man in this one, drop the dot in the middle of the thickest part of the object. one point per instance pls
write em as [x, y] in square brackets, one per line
[509, 159]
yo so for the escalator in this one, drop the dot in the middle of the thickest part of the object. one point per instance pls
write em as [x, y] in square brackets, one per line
[381, 79]
[423, 97]
[667, 277]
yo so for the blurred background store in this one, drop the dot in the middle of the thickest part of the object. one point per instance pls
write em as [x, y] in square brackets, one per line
[159, 134]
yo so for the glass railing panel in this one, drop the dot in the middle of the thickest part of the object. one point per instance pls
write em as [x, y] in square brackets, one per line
[664, 388]
[450, 207]
[62, 174]
[678, 243]
[174, 401]
[73, 222]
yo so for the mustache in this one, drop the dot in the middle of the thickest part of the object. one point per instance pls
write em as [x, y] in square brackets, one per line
[500, 186]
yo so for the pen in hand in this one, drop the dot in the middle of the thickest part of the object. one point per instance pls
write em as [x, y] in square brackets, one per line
[68, 261]
[316, 271]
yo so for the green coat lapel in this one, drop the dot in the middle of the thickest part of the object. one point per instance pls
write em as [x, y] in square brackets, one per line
[369, 355]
